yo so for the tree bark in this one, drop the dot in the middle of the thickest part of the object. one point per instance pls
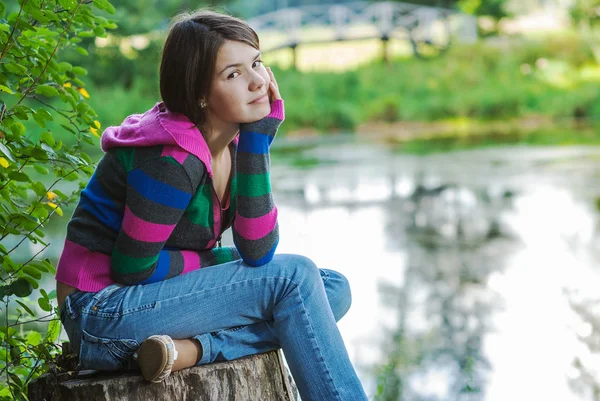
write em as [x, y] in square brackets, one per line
[260, 377]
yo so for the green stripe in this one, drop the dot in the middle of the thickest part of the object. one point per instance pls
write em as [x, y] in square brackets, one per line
[223, 255]
[200, 210]
[170, 159]
[127, 264]
[125, 156]
[252, 185]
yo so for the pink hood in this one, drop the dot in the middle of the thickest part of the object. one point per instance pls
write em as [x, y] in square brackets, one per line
[156, 127]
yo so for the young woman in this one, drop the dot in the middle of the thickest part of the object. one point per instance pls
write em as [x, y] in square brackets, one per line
[143, 280]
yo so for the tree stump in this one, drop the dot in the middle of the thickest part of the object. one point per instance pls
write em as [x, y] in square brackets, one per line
[259, 377]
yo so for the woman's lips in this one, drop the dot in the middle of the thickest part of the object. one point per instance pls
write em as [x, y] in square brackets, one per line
[260, 99]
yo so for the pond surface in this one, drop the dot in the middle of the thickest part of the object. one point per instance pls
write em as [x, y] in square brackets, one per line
[474, 274]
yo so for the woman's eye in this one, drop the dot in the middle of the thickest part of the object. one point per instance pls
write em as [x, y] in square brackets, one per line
[233, 75]
[257, 63]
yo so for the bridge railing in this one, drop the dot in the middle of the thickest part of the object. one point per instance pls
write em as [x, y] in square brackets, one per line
[363, 20]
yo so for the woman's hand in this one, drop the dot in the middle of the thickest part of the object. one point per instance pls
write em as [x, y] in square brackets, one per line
[273, 87]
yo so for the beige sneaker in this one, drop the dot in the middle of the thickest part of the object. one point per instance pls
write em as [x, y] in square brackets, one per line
[155, 357]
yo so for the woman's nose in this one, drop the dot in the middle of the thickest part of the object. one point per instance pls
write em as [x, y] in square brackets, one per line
[257, 81]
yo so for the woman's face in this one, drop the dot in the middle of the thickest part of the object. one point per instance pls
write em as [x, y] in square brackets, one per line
[239, 90]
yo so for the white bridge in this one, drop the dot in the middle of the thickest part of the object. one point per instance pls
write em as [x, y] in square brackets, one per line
[421, 25]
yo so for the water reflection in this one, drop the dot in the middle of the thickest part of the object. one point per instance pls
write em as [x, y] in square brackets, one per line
[460, 266]
[454, 239]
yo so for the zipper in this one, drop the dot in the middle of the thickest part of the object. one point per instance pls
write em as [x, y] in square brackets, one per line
[220, 213]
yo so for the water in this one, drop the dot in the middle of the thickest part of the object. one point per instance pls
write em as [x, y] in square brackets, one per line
[473, 273]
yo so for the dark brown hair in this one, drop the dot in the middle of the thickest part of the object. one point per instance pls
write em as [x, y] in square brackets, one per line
[189, 57]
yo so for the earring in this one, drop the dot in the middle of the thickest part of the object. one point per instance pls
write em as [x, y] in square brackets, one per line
[202, 104]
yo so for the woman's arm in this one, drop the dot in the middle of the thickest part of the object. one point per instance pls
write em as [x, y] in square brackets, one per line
[158, 193]
[255, 228]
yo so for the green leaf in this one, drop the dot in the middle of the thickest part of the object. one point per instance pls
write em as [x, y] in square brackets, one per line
[6, 89]
[41, 267]
[17, 128]
[7, 152]
[21, 287]
[68, 4]
[26, 308]
[33, 338]
[81, 51]
[2, 9]
[44, 304]
[52, 294]
[72, 176]
[46, 90]
[4, 291]
[47, 137]
[15, 68]
[32, 272]
[41, 169]
[53, 331]
[16, 176]
[38, 188]
[79, 71]
[104, 5]
[33, 282]
[45, 115]
[38, 119]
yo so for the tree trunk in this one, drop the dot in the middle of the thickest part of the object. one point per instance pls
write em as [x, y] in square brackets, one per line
[260, 377]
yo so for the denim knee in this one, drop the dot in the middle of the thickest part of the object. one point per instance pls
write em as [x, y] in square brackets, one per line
[303, 271]
[339, 293]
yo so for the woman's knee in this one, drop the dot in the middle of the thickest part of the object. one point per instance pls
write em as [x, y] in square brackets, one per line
[338, 292]
[300, 266]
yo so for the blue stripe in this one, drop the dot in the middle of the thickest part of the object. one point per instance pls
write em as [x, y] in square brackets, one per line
[96, 202]
[157, 191]
[162, 268]
[254, 142]
[262, 261]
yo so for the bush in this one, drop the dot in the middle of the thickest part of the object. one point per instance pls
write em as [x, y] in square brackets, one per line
[43, 100]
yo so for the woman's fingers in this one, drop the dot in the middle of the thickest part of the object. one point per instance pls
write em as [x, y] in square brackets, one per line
[273, 87]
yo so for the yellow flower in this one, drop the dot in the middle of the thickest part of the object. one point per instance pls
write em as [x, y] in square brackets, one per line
[52, 205]
[3, 162]
[94, 131]
[51, 195]
[96, 124]
[84, 93]
[67, 84]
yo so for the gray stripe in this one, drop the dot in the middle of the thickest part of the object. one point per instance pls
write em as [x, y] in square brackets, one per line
[132, 278]
[251, 207]
[266, 126]
[190, 236]
[168, 173]
[137, 249]
[150, 211]
[207, 258]
[249, 163]
[176, 264]
[142, 155]
[80, 230]
[112, 178]
[255, 250]
[196, 170]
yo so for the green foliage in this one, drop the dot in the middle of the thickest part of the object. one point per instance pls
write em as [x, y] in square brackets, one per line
[586, 12]
[43, 99]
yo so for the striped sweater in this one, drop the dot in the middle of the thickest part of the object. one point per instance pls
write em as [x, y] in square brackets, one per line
[150, 211]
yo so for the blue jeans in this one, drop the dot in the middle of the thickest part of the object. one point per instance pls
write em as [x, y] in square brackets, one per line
[233, 310]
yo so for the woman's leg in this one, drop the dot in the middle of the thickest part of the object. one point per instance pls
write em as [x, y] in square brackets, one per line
[288, 291]
[237, 342]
